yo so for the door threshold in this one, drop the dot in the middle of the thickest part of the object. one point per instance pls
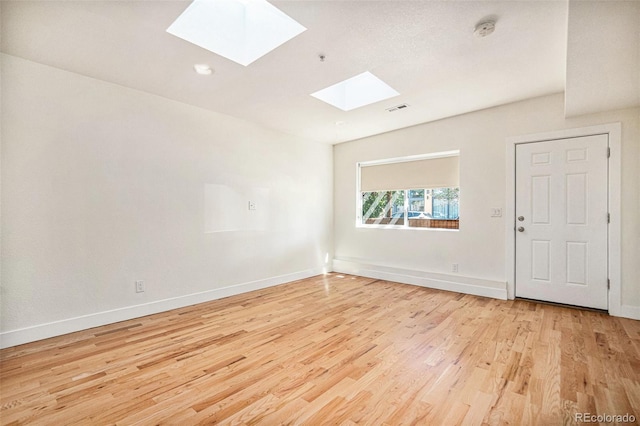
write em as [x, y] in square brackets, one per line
[563, 305]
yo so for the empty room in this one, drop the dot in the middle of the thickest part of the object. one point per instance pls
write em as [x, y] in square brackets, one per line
[315, 212]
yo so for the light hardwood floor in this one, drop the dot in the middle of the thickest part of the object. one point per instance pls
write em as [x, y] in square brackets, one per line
[333, 349]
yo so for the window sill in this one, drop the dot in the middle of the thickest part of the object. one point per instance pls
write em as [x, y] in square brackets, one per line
[414, 224]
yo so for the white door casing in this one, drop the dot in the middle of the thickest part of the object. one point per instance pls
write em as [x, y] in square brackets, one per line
[561, 242]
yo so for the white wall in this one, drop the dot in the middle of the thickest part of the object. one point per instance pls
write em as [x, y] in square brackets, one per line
[104, 185]
[478, 247]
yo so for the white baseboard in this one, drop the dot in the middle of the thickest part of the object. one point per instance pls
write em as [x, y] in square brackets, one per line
[57, 328]
[626, 311]
[460, 284]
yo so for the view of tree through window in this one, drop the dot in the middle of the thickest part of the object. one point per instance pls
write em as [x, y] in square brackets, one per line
[423, 208]
[382, 204]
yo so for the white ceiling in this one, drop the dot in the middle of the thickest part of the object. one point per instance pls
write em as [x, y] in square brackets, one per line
[603, 60]
[425, 50]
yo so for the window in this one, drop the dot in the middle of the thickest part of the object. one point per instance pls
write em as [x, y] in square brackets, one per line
[410, 192]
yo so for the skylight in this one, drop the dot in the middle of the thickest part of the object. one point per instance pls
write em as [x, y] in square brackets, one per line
[358, 91]
[239, 30]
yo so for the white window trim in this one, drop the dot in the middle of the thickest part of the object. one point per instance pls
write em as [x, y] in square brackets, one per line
[408, 158]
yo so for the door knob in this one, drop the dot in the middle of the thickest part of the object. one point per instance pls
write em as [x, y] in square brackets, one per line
[520, 218]
[521, 229]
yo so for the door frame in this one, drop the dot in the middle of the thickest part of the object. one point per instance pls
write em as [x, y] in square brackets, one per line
[614, 132]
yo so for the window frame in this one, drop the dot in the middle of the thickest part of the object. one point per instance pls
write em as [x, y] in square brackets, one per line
[405, 225]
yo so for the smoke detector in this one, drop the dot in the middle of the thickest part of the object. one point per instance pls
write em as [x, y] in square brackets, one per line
[485, 28]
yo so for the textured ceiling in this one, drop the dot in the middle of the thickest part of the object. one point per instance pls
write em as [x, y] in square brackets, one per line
[426, 50]
[603, 57]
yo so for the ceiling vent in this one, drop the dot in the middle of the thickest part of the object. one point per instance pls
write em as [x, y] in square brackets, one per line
[398, 107]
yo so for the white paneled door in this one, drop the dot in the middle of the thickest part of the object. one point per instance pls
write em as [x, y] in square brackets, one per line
[561, 221]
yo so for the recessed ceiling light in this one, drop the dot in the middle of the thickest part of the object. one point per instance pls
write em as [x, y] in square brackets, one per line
[203, 69]
[355, 92]
[239, 30]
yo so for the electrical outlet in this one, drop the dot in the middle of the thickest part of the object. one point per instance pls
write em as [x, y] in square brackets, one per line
[139, 286]
[252, 205]
[454, 267]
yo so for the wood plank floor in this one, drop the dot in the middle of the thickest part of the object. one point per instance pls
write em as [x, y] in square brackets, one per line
[333, 349]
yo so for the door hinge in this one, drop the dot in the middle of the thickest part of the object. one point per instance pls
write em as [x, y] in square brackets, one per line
[608, 283]
[608, 217]
[608, 152]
